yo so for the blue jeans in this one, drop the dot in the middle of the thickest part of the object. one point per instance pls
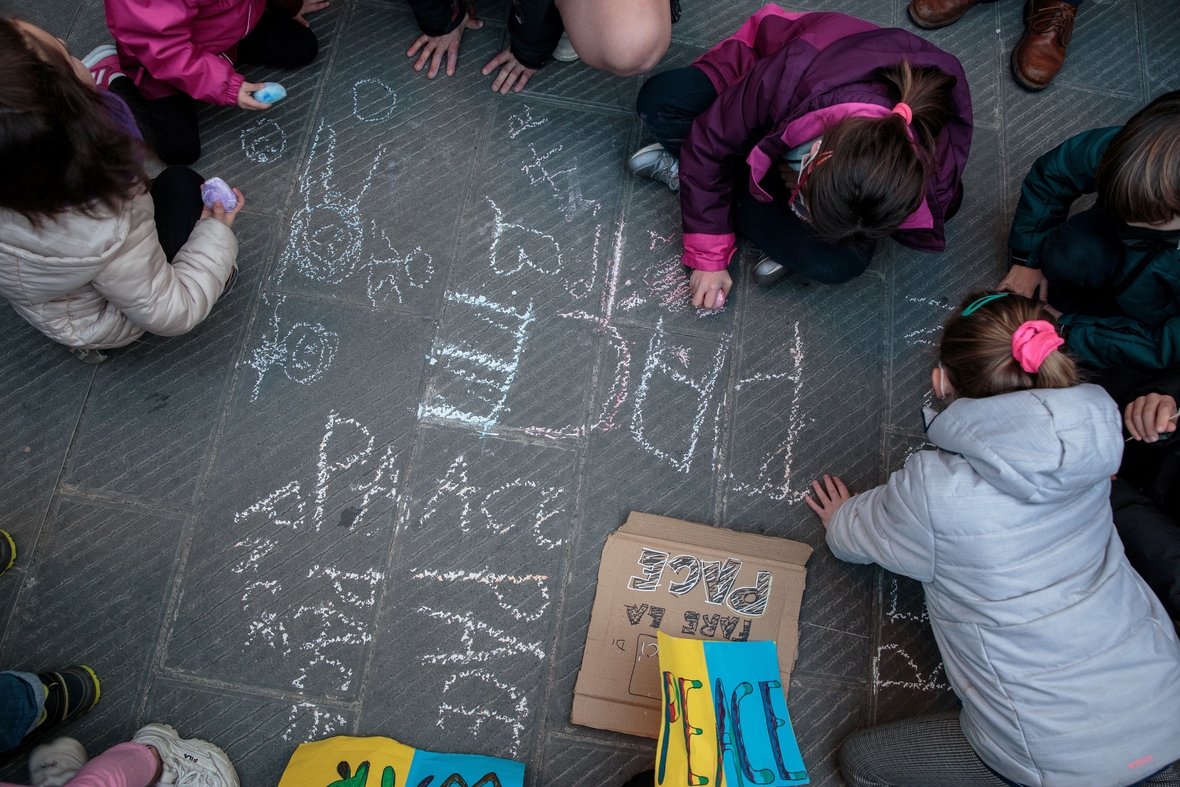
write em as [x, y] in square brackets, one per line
[22, 700]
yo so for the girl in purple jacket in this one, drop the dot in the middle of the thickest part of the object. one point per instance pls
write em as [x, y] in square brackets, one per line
[814, 135]
[172, 53]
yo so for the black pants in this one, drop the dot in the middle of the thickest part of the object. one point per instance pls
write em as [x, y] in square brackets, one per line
[169, 124]
[667, 105]
[1151, 539]
[177, 197]
[1079, 259]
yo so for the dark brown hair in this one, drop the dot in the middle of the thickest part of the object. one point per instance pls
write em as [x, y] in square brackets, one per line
[876, 176]
[976, 350]
[59, 147]
[1138, 177]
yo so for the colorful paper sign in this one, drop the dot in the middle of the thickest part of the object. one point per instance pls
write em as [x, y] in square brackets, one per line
[724, 720]
[383, 762]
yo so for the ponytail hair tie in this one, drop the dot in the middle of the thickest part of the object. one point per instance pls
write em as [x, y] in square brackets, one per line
[1033, 342]
[904, 110]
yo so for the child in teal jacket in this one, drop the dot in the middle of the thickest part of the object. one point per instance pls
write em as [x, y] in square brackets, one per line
[1113, 271]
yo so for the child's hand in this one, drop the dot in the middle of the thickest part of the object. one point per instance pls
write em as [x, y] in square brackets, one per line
[1150, 416]
[246, 100]
[435, 47]
[218, 211]
[309, 7]
[1025, 281]
[705, 286]
[830, 499]
[512, 73]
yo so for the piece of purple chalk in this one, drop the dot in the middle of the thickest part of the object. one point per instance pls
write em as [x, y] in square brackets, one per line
[217, 190]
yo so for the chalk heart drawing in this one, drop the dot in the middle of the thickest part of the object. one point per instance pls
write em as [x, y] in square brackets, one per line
[672, 373]
[516, 247]
[303, 350]
[320, 635]
[373, 101]
[264, 141]
[776, 478]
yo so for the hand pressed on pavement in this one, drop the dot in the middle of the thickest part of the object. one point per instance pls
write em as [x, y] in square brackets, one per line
[830, 497]
[705, 287]
[513, 75]
[1025, 281]
[218, 211]
[435, 47]
[309, 7]
[1150, 416]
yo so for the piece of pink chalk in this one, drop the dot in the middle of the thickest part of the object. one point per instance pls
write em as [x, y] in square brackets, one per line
[217, 190]
[717, 304]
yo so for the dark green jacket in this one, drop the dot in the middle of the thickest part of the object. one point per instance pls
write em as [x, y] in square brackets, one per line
[1147, 336]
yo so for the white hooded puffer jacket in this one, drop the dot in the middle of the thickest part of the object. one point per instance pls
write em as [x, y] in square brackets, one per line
[1065, 661]
[101, 282]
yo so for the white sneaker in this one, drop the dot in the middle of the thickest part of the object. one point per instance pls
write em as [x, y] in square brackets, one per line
[53, 764]
[189, 762]
[565, 50]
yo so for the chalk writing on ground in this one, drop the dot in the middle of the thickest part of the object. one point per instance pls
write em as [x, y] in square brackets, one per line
[264, 141]
[334, 619]
[303, 350]
[309, 722]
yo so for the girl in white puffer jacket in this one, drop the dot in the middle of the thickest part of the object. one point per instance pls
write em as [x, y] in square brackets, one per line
[1066, 663]
[88, 254]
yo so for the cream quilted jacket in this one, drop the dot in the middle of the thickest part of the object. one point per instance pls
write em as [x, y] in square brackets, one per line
[103, 282]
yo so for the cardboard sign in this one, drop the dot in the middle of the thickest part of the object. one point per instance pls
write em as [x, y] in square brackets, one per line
[383, 762]
[689, 580]
[725, 721]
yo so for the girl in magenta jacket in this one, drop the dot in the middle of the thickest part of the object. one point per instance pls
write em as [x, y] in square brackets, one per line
[814, 135]
[177, 52]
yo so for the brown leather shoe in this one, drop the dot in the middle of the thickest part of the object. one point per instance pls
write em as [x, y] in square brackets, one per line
[933, 14]
[1040, 53]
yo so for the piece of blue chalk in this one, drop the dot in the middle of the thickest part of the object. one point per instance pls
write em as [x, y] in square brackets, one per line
[270, 93]
[217, 190]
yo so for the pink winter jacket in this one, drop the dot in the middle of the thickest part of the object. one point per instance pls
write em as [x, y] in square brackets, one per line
[188, 46]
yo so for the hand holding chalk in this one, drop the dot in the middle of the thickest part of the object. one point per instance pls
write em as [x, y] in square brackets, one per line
[720, 300]
[217, 190]
[270, 93]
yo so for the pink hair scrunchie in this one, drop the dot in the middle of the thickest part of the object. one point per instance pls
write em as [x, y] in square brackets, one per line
[904, 110]
[1032, 343]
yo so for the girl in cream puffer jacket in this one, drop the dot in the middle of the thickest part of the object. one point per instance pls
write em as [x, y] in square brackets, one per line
[80, 254]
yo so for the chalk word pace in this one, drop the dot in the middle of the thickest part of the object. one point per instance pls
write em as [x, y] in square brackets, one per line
[719, 580]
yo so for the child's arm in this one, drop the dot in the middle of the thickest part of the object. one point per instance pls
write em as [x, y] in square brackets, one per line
[159, 35]
[1122, 341]
[1056, 179]
[888, 525]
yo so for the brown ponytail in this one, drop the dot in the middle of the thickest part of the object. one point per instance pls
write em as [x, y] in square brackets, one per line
[876, 176]
[976, 350]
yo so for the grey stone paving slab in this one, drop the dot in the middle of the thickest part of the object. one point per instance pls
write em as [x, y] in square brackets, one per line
[95, 595]
[259, 734]
[42, 392]
[258, 151]
[836, 618]
[373, 219]
[706, 26]
[89, 29]
[569, 760]
[296, 526]
[925, 288]
[1160, 23]
[154, 406]
[1103, 54]
[578, 82]
[56, 16]
[822, 715]
[473, 597]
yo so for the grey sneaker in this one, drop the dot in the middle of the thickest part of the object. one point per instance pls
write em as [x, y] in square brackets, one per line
[767, 271]
[187, 763]
[54, 764]
[88, 356]
[656, 163]
[565, 50]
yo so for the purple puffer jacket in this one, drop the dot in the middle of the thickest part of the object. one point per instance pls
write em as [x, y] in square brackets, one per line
[781, 79]
[167, 46]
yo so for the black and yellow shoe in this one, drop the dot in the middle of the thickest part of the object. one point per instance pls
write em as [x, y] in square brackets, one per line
[7, 551]
[69, 693]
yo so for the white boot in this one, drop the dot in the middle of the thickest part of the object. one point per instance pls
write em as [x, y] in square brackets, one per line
[565, 50]
[53, 764]
[190, 762]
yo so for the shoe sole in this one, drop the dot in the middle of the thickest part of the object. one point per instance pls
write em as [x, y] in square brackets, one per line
[11, 550]
[98, 54]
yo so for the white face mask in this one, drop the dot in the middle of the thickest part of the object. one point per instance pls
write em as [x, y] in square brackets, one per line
[941, 381]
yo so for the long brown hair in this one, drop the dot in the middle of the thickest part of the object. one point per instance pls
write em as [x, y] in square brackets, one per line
[59, 147]
[876, 176]
[1138, 177]
[976, 350]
